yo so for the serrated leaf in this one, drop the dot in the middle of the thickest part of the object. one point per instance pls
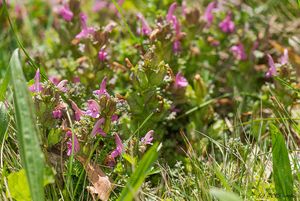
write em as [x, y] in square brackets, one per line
[27, 133]
[282, 172]
[222, 195]
[139, 175]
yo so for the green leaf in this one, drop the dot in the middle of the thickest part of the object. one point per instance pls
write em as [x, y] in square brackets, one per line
[54, 137]
[3, 121]
[222, 178]
[222, 195]
[18, 186]
[27, 132]
[48, 176]
[282, 172]
[139, 175]
[4, 85]
[130, 159]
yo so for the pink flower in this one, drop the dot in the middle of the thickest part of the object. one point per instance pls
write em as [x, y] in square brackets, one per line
[97, 128]
[180, 81]
[114, 117]
[208, 14]
[171, 18]
[176, 46]
[69, 144]
[119, 149]
[85, 30]
[102, 90]
[58, 111]
[183, 8]
[93, 109]
[171, 11]
[62, 85]
[215, 43]
[99, 5]
[57, 114]
[105, 4]
[18, 11]
[78, 112]
[102, 55]
[66, 13]
[272, 68]
[174, 109]
[147, 139]
[37, 86]
[239, 52]
[284, 59]
[227, 25]
[7, 2]
[76, 79]
[146, 30]
[109, 27]
[54, 80]
[177, 26]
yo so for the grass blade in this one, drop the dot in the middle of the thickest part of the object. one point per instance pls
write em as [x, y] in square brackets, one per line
[139, 175]
[281, 166]
[27, 133]
[20, 44]
[224, 195]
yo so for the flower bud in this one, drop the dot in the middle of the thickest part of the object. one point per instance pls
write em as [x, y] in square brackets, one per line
[200, 88]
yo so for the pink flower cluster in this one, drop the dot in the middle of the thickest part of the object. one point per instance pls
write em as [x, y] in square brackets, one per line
[171, 18]
[284, 59]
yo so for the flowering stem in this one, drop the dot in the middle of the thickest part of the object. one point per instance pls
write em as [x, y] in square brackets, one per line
[71, 156]
[145, 121]
[86, 162]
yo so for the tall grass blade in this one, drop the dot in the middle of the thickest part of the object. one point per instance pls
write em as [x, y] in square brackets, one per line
[281, 166]
[27, 133]
[139, 175]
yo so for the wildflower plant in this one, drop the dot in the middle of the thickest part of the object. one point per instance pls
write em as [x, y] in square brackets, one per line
[114, 83]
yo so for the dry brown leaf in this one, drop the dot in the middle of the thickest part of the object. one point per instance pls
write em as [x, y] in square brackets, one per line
[102, 186]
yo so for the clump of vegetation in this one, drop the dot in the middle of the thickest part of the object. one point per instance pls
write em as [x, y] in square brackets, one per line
[154, 100]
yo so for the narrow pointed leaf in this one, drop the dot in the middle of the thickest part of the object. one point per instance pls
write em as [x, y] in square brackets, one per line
[27, 133]
[139, 175]
[282, 172]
